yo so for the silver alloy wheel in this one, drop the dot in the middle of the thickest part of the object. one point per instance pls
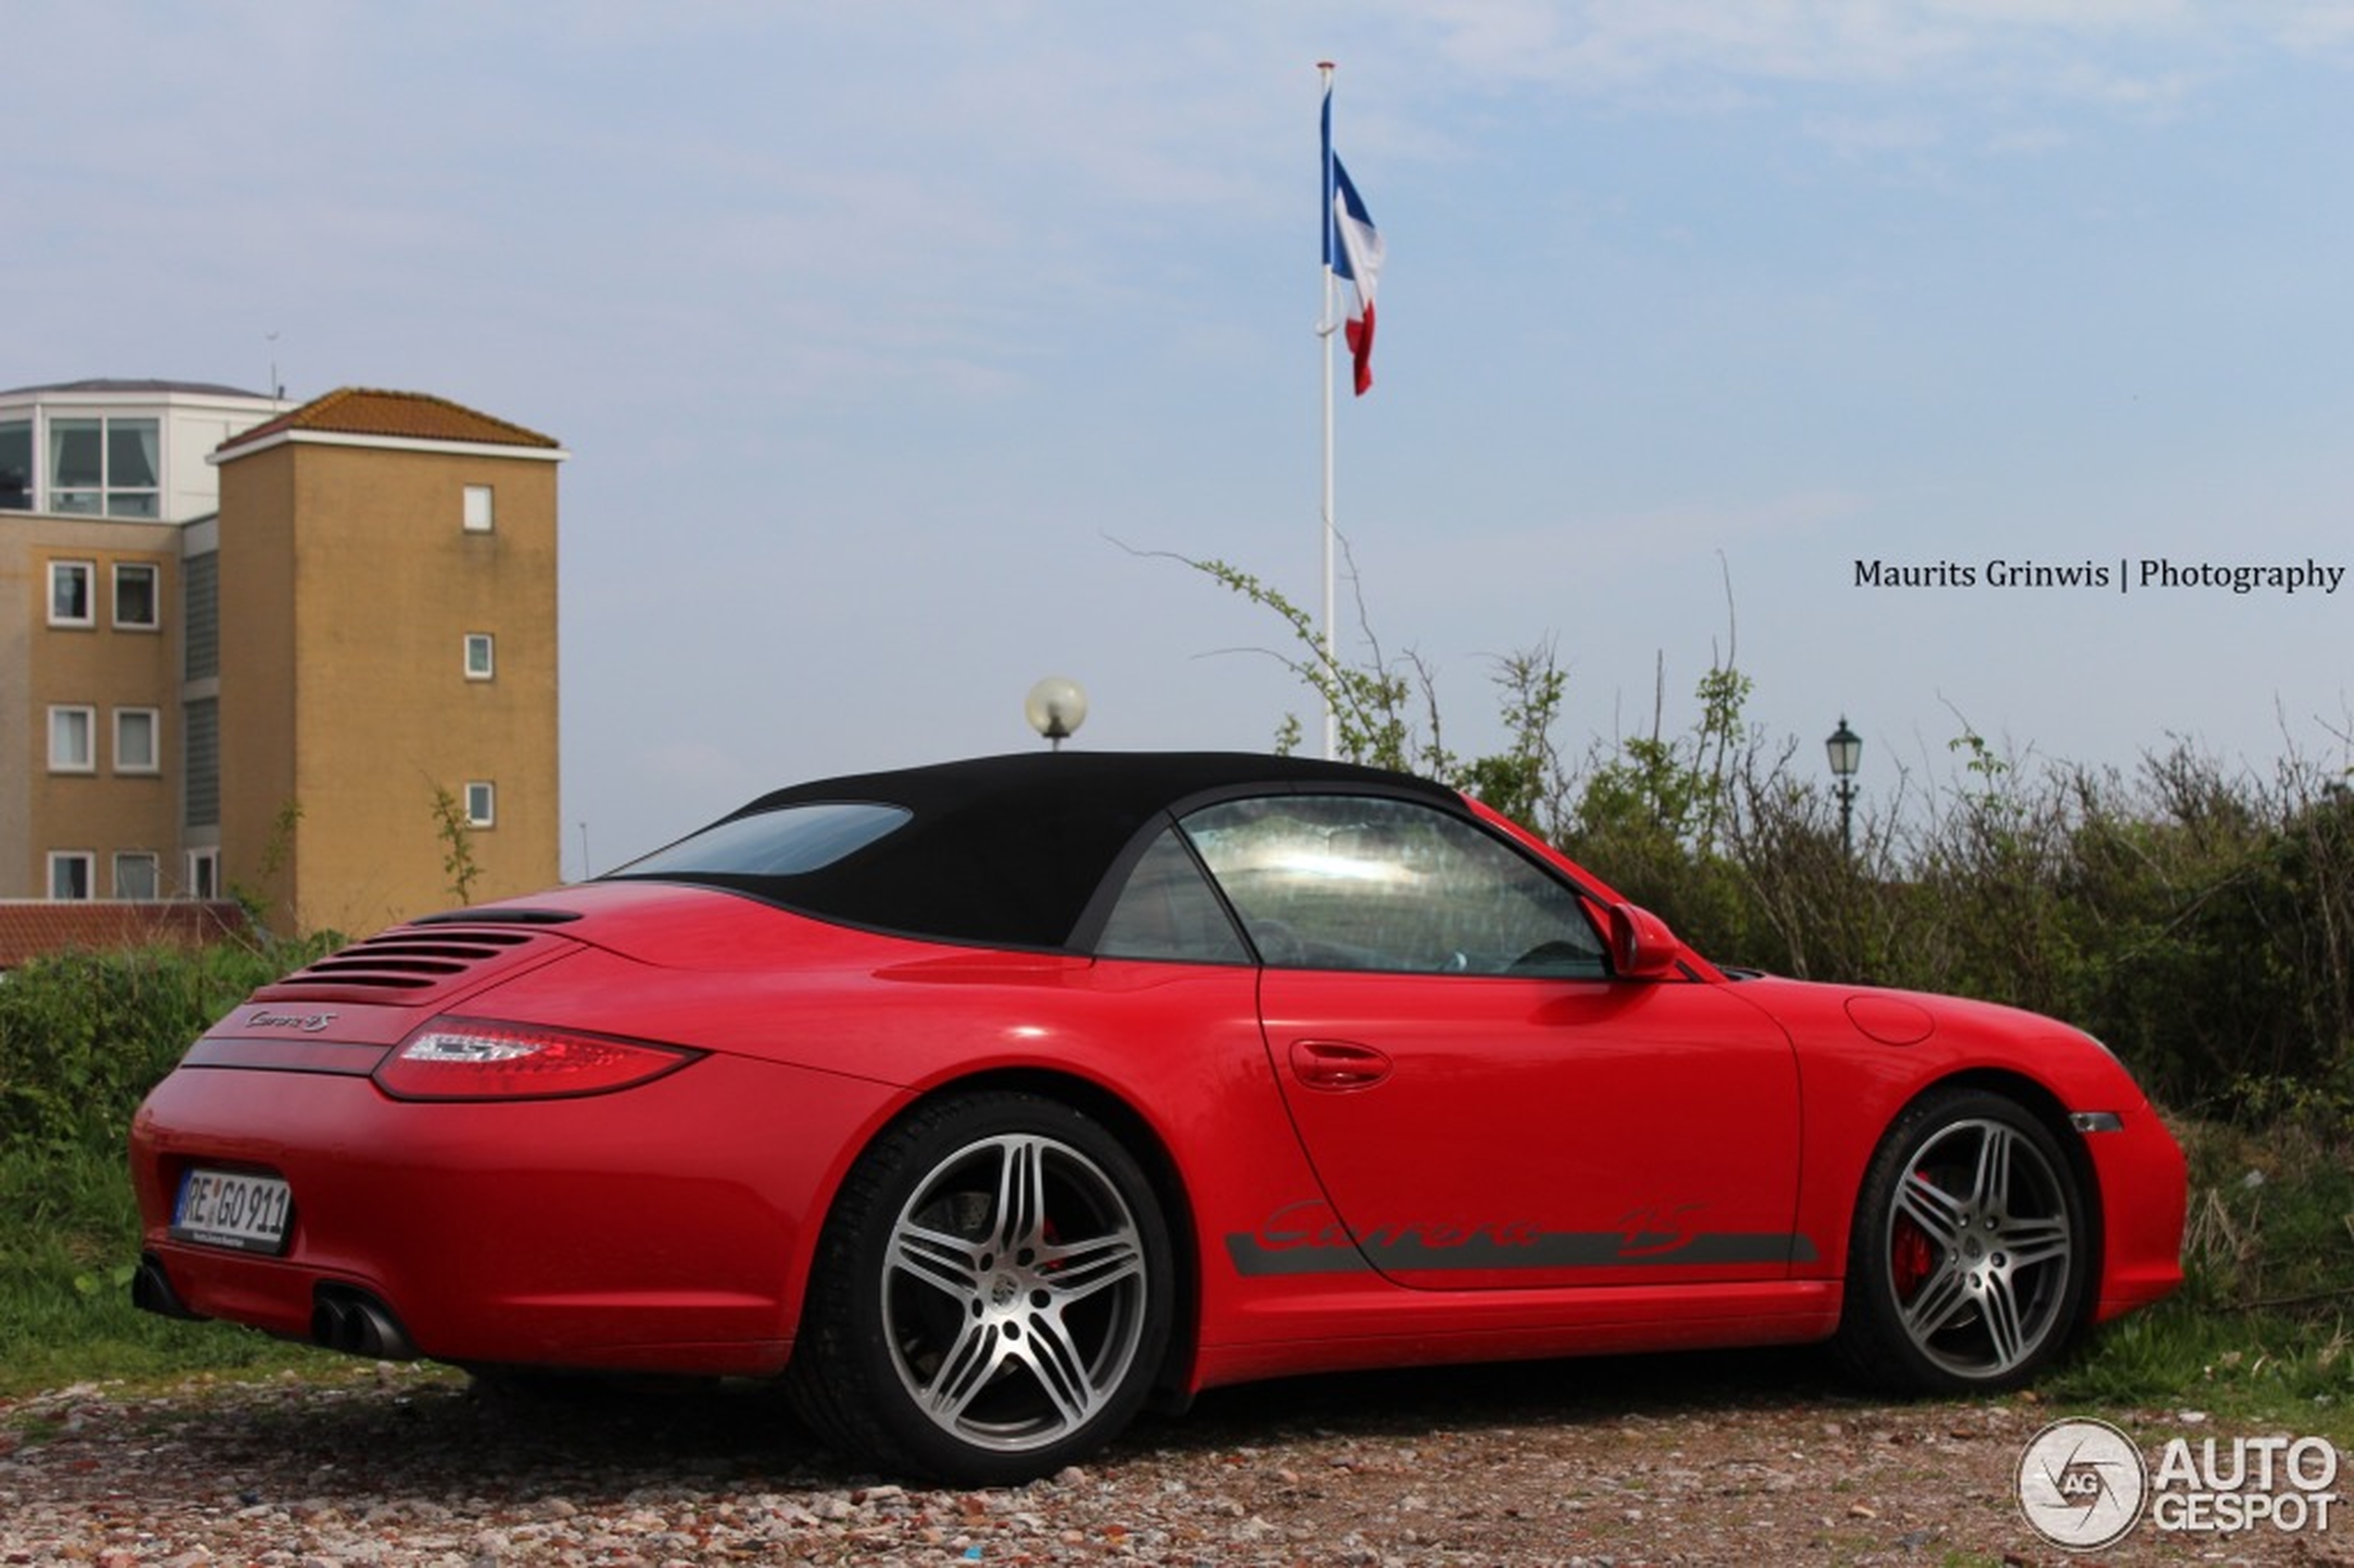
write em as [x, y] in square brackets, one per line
[1015, 1291]
[1979, 1248]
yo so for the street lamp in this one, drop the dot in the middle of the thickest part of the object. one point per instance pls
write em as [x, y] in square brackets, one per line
[1055, 707]
[1846, 749]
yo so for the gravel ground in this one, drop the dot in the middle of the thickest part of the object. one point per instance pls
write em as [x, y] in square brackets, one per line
[1678, 1459]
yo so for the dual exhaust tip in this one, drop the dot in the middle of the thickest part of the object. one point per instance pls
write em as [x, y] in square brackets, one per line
[358, 1325]
[341, 1318]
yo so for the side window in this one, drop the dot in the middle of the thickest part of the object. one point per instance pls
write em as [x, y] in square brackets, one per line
[1168, 911]
[1347, 882]
[136, 748]
[15, 465]
[71, 872]
[70, 596]
[73, 739]
[135, 596]
[135, 875]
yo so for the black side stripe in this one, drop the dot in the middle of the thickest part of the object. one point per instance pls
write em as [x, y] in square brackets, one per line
[1558, 1249]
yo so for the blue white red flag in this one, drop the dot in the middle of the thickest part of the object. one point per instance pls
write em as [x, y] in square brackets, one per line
[1353, 250]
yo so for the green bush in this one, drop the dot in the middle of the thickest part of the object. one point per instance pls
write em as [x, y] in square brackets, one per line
[84, 1035]
[2199, 921]
[83, 1038]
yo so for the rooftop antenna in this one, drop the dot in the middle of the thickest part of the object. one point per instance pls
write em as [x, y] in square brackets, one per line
[277, 388]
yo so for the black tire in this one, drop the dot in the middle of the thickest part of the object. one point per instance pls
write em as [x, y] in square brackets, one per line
[1971, 1250]
[990, 1297]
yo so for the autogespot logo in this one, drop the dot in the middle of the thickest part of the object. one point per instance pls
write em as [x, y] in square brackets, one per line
[2081, 1483]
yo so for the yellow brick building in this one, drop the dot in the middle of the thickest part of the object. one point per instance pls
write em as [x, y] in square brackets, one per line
[312, 694]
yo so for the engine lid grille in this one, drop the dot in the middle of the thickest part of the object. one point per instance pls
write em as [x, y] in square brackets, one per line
[419, 963]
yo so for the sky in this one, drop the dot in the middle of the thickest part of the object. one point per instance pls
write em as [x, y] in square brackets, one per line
[906, 351]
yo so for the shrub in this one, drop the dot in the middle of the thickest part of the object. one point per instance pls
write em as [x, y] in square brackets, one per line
[84, 1035]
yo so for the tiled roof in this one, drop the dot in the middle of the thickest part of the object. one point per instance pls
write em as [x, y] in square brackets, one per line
[414, 416]
[33, 927]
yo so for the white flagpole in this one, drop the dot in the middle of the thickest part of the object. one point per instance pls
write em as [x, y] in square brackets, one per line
[1327, 323]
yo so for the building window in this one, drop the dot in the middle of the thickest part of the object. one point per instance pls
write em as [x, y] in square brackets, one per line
[77, 465]
[135, 747]
[105, 467]
[204, 873]
[135, 598]
[135, 875]
[200, 763]
[482, 802]
[134, 471]
[73, 740]
[479, 663]
[15, 465]
[69, 600]
[69, 873]
[478, 510]
[200, 615]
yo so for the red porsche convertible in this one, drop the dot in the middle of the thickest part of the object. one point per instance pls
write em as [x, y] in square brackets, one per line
[986, 1102]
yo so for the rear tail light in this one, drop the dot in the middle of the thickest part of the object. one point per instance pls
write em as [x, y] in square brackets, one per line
[472, 1059]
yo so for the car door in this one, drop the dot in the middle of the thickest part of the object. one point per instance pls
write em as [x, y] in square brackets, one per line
[1485, 1106]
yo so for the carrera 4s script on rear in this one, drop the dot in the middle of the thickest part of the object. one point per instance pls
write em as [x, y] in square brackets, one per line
[983, 1103]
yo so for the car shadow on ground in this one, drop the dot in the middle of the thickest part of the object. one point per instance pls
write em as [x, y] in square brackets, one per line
[1571, 1392]
[441, 1434]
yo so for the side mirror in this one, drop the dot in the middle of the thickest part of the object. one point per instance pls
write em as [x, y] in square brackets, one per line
[1641, 947]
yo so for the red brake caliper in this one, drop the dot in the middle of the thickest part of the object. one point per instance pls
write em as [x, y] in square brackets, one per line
[1912, 1257]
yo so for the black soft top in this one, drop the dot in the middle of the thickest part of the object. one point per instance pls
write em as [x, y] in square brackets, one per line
[1008, 851]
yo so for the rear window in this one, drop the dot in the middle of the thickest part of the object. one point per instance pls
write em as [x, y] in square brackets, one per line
[786, 841]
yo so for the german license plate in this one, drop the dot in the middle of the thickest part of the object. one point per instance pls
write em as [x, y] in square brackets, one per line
[232, 1208]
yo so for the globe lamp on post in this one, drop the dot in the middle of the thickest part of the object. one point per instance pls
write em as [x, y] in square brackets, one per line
[1846, 749]
[1055, 707]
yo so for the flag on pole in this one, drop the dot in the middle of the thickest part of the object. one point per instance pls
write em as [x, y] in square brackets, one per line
[1359, 260]
[1353, 250]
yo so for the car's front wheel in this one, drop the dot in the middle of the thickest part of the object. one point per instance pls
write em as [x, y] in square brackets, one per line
[991, 1294]
[1971, 1254]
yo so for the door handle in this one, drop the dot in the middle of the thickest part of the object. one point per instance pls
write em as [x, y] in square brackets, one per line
[1337, 1064]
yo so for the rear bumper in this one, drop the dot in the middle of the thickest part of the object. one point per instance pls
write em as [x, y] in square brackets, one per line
[661, 1228]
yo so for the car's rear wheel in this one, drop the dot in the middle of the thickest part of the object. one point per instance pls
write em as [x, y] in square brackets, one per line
[992, 1293]
[1971, 1252]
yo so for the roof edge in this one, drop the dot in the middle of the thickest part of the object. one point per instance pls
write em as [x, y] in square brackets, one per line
[373, 415]
[230, 451]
